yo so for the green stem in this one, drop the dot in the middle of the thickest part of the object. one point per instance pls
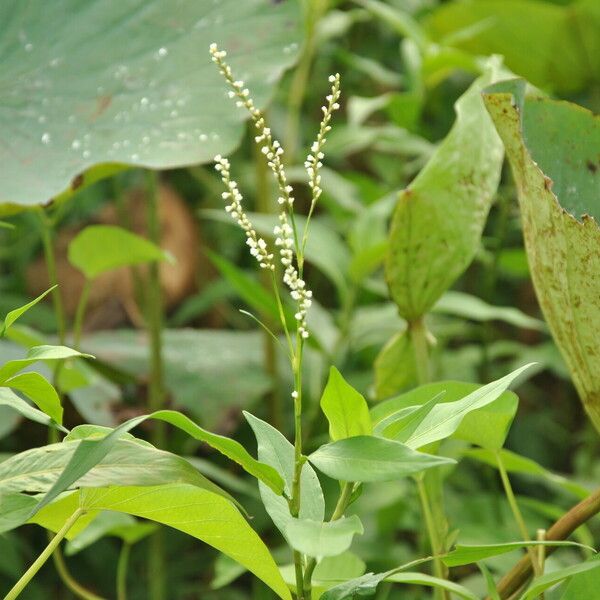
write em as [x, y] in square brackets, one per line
[434, 540]
[514, 507]
[122, 567]
[298, 459]
[68, 579]
[156, 392]
[43, 557]
[80, 313]
[50, 257]
[418, 336]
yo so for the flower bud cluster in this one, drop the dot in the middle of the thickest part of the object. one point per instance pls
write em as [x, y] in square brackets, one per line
[269, 147]
[298, 290]
[313, 160]
[258, 246]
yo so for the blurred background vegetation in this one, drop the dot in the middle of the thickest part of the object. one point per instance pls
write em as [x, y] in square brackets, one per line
[403, 65]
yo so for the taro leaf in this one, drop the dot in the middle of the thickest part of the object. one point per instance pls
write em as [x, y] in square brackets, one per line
[486, 413]
[40, 391]
[446, 417]
[35, 354]
[91, 452]
[318, 538]
[554, 150]
[199, 513]
[395, 367]
[468, 554]
[345, 408]
[276, 451]
[16, 313]
[437, 223]
[81, 91]
[367, 458]
[513, 28]
[101, 248]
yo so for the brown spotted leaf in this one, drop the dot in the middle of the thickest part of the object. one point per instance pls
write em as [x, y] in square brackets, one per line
[554, 151]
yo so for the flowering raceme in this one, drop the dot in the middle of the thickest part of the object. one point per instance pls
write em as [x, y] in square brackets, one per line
[291, 248]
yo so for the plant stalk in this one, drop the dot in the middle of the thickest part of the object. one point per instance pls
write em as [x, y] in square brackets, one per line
[561, 530]
[44, 556]
[80, 313]
[50, 257]
[156, 392]
[122, 567]
[434, 540]
[418, 335]
[514, 507]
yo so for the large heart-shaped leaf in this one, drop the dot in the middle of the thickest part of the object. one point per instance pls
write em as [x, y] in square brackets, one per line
[554, 150]
[437, 224]
[87, 82]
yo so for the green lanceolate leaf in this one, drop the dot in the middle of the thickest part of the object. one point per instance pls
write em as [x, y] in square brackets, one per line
[368, 458]
[445, 418]
[40, 391]
[345, 408]
[542, 583]
[553, 148]
[199, 513]
[127, 463]
[583, 585]
[13, 315]
[434, 582]
[276, 451]
[101, 248]
[35, 354]
[437, 223]
[90, 452]
[318, 538]
[10, 399]
[472, 307]
[146, 92]
[401, 425]
[468, 554]
[486, 426]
